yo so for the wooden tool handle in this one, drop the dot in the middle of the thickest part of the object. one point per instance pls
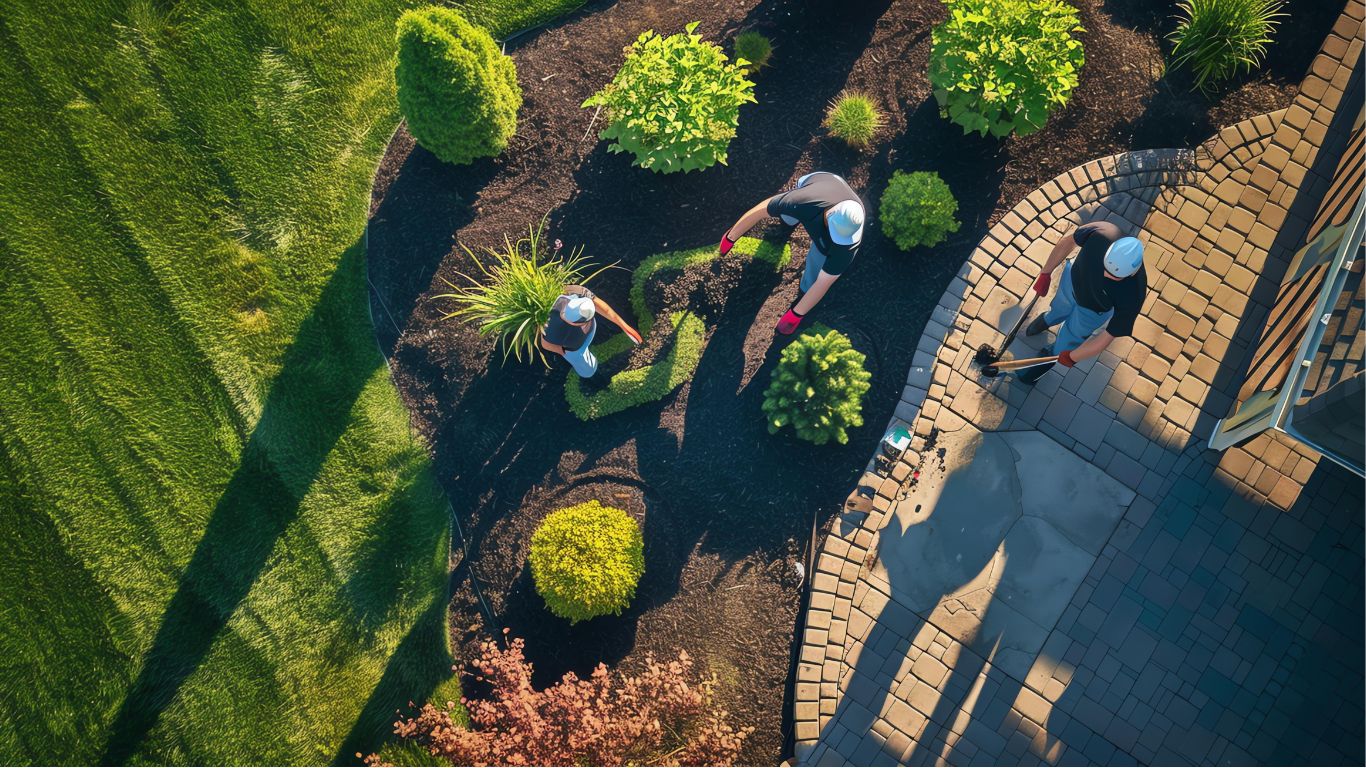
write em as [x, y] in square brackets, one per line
[1025, 363]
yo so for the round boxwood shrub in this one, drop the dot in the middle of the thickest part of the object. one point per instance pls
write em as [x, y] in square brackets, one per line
[586, 560]
[817, 387]
[457, 91]
[918, 209]
[675, 102]
[1000, 66]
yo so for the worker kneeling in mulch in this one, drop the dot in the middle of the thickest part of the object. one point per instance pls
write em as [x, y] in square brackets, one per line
[572, 325]
[1104, 286]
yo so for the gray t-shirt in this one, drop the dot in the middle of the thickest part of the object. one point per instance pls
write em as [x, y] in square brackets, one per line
[567, 335]
[808, 204]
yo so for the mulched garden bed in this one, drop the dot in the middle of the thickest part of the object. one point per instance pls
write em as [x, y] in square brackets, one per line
[727, 509]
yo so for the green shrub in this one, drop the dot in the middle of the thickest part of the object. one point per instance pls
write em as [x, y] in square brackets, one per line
[998, 66]
[675, 102]
[918, 209]
[519, 289]
[653, 382]
[818, 387]
[854, 118]
[456, 89]
[754, 48]
[586, 560]
[1216, 38]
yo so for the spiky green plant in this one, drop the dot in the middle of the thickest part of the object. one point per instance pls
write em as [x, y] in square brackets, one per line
[519, 288]
[1217, 38]
[854, 118]
[755, 48]
[817, 387]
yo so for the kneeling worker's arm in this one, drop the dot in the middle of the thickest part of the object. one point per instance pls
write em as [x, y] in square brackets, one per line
[1092, 346]
[551, 346]
[606, 311]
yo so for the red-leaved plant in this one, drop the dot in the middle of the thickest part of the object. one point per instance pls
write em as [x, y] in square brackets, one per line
[662, 716]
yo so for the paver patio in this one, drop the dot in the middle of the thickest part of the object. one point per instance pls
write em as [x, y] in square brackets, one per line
[1064, 574]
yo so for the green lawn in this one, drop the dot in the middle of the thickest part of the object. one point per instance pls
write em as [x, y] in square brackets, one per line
[222, 545]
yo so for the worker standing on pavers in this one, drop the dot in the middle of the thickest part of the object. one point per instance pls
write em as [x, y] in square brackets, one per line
[572, 325]
[833, 216]
[1104, 286]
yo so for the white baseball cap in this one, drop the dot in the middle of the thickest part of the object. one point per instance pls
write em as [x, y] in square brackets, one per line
[1124, 257]
[845, 221]
[579, 309]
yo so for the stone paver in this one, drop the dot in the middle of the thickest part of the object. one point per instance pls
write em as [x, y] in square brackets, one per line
[1215, 616]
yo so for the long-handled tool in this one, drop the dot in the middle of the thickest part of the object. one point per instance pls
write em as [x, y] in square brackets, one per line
[986, 354]
[996, 369]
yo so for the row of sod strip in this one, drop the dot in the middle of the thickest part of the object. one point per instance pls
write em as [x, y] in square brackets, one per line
[687, 335]
[221, 543]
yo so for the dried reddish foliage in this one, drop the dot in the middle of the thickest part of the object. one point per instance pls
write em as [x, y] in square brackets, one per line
[662, 716]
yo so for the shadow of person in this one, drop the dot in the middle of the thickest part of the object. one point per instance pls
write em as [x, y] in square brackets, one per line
[972, 572]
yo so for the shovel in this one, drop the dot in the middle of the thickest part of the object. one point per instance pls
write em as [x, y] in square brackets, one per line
[987, 355]
[996, 369]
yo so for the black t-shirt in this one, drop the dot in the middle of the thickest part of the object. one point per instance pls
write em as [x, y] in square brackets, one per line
[1099, 293]
[808, 204]
[567, 335]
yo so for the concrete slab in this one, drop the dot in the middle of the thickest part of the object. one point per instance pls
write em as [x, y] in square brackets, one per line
[1077, 498]
[994, 540]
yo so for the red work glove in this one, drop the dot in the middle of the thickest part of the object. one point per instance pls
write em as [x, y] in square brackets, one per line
[1066, 359]
[726, 243]
[1041, 285]
[789, 323]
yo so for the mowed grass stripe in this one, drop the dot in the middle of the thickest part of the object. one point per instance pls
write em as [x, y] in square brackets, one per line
[232, 549]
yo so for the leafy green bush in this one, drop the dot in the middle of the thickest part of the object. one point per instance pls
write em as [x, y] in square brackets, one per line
[456, 89]
[1216, 38]
[754, 48]
[652, 382]
[854, 118]
[586, 560]
[998, 66]
[918, 209]
[519, 289]
[675, 102]
[818, 387]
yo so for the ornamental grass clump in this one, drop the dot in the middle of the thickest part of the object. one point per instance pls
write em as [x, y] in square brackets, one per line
[854, 118]
[754, 48]
[520, 283]
[675, 102]
[1217, 38]
[586, 560]
[918, 209]
[662, 715]
[817, 388]
[456, 89]
[1001, 66]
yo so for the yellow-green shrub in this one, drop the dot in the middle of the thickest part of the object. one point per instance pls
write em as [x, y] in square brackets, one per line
[586, 560]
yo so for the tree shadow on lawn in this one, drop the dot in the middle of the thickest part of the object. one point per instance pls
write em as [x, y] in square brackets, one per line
[308, 408]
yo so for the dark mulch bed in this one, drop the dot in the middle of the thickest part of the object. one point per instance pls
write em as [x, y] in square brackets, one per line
[727, 509]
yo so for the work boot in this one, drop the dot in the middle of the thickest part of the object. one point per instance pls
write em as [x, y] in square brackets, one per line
[1037, 327]
[1033, 373]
